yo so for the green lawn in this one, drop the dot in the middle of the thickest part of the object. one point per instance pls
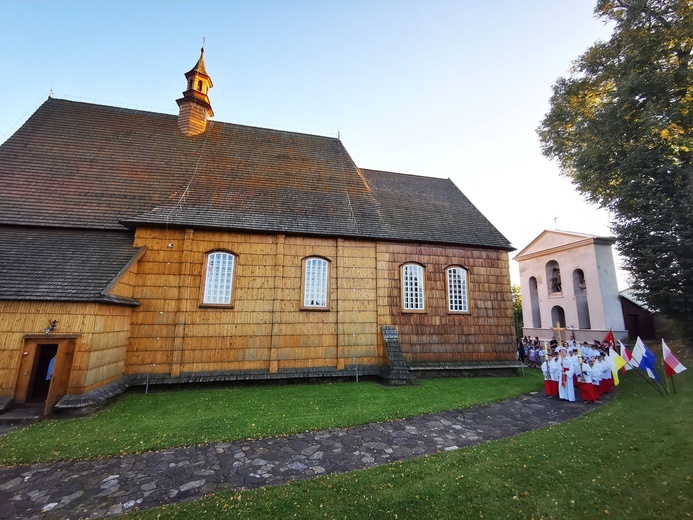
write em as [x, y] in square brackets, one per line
[163, 419]
[630, 459]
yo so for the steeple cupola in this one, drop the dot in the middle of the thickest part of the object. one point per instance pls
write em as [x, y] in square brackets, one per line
[194, 106]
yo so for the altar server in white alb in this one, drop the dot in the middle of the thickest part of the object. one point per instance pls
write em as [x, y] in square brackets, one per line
[550, 386]
[555, 370]
[588, 391]
[605, 376]
[596, 375]
[575, 360]
[566, 390]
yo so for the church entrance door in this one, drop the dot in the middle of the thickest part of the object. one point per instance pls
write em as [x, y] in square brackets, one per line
[44, 370]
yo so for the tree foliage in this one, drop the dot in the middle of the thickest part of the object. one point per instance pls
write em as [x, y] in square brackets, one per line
[517, 309]
[620, 127]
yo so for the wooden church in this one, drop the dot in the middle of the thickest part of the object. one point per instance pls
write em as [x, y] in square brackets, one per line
[143, 247]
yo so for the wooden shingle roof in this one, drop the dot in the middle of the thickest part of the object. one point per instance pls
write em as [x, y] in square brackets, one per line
[429, 209]
[63, 264]
[79, 165]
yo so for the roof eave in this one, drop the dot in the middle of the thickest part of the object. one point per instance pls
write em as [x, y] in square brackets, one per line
[135, 224]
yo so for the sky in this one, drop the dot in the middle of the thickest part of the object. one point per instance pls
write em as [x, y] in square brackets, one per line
[440, 88]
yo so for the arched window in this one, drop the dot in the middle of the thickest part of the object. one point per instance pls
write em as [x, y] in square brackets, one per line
[413, 287]
[458, 296]
[553, 278]
[557, 316]
[580, 291]
[534, 302]
[316, 283]
[219, 278]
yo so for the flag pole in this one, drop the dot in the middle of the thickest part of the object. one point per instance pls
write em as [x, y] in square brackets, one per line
[622, 348]
[672, 383]
[654, 367]
[639, 372]
[665, 373]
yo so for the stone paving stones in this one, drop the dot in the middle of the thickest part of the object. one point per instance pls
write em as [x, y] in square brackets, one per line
[112, 486]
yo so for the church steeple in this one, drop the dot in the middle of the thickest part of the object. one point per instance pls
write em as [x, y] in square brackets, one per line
[194, 106]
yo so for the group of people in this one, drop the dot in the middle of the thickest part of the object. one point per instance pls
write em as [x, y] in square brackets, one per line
[570, 370]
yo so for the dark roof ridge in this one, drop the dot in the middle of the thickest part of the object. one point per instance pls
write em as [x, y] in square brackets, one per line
[109, 107]
[279, 131]
[407, 174]
[140, 111]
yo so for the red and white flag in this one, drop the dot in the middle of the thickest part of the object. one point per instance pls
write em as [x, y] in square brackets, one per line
[609, 339]
[625, 354]
[671, 364]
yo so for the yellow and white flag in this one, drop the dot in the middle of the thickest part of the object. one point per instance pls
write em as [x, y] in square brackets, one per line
[617, 362]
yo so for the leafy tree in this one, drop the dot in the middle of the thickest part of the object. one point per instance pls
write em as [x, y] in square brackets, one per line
[517, 310]
[620, 127]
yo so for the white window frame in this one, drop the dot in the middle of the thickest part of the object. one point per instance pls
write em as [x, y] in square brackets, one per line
[219, 274]
[316, 283]
[457, 282]
[413, 288]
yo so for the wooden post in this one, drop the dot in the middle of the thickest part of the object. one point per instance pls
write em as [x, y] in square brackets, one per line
[341, 349]
[183, 302]
[277, 304]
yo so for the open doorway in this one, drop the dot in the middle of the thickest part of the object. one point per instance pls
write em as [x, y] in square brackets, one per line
[44, 369]
[42, 373]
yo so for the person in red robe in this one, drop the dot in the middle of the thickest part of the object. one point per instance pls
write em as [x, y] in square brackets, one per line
[606, 382]
[550, 385]
[588, 391]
